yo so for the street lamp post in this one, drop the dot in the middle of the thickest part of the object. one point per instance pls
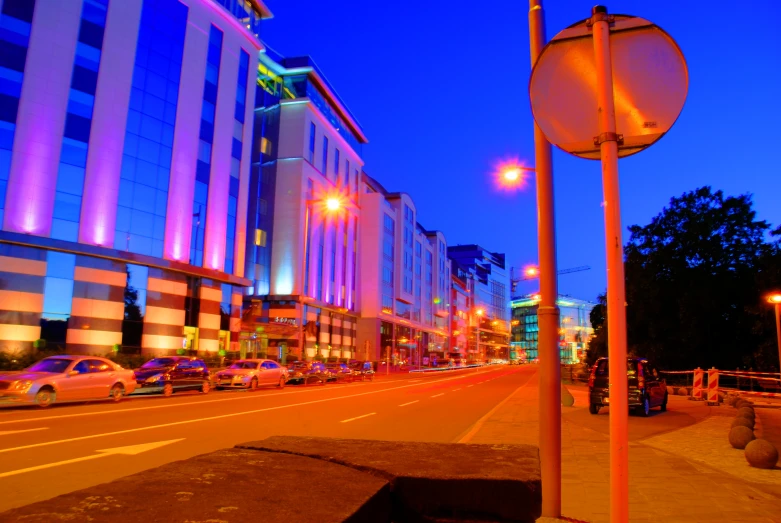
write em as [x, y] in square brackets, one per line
[548, 311]
[775, 299]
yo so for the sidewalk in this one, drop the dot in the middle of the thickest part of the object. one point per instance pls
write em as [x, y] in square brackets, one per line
[688, 475]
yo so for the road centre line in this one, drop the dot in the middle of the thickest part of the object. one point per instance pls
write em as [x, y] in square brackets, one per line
[358, 417]
[7, 432]
[438, 395]
[191, 403]
[459, 388]
[211, 418]
[408, 403]
[472, 385]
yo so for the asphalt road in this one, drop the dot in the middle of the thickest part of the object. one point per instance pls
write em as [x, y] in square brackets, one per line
[45, 453]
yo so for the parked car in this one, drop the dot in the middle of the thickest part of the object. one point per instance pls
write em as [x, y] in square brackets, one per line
[363, 370]
[303, 372]
[340, 372]
[173, 373]
[66, 378]
[647, 389]
[251, 374]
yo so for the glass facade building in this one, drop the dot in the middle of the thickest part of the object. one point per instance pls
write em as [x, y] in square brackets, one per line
[121, 173]
[574, 328]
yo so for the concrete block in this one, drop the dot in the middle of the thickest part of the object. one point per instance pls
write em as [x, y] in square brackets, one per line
[436, 480]
[227, 485]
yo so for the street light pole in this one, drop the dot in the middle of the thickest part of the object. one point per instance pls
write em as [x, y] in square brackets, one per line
[548, 312]
[616, 297]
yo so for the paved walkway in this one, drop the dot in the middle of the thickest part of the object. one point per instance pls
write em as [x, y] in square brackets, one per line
[689, 475]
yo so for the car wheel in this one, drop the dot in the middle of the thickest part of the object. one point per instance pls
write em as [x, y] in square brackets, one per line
[253, 384]
[117, 392]
[645, 409]
[206, 387]
[168, 390]
[593, 408]
[281, 384]
[663, 407]
[45, 397]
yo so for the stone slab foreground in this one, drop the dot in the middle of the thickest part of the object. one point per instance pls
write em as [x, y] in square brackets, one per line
[318, 480]
[436, 480]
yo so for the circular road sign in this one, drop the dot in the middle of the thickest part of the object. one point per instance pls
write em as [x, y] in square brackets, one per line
[650, 81]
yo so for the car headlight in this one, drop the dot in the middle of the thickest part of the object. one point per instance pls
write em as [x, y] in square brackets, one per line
[152, 379]
[22, 385]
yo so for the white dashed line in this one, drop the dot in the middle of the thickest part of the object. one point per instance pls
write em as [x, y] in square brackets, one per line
[438, 395]
[358, 417]
[459, 388]
[409, 403]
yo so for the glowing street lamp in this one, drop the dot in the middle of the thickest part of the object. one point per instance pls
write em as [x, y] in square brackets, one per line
[333, 204]
[531, 271]
[510, 175]
[480, 312]
[775, 299]
[330, 204]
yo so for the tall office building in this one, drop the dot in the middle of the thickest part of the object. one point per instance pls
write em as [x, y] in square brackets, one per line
[304, 213]
[125, 138]
[405, 280]
[487, 273]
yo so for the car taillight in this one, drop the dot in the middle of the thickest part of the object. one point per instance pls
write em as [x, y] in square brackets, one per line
[640, 381]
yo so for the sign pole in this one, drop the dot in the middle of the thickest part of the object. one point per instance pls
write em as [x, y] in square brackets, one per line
[616, 294]
[548, 311]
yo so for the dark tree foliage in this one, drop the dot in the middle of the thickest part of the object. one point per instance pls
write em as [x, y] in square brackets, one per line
[696, 281]
[133, 324]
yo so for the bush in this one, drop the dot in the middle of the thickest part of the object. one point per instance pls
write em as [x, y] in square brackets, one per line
[19, 360]
[128, 361]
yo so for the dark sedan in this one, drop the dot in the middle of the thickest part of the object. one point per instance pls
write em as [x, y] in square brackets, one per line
[362, 370]
[171, 374]
[340, 372]
[304, 373]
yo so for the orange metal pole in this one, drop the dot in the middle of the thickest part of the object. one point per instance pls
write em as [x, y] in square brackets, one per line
[616, 293]
[778, 335]
[547, 312]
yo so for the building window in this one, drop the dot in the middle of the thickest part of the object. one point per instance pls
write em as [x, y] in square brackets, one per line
[146, 164]
[312, 137]
[336, 166]
[324, 165]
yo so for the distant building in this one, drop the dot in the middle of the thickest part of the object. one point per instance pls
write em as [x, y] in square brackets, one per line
[303, 216]
[405, 280]
[486, 272]
[463, 319]
[574, 332]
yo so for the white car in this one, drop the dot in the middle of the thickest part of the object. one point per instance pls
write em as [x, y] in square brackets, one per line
[66, 378]
[251, 374]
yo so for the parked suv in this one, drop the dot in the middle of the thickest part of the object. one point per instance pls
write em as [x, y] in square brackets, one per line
[647, 389]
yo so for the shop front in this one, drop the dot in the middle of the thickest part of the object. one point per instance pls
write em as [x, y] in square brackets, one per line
[288, 330]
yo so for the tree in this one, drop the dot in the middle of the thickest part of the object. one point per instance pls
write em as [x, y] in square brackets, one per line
[597, 346]
[133, 323]
[695, 280]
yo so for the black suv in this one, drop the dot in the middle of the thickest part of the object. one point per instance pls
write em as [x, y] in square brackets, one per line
[647, 389]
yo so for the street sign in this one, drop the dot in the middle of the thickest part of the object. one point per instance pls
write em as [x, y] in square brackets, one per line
[650, 82]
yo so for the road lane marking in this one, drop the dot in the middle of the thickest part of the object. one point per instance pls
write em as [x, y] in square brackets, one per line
[203, 402]
[479, 423]
[8, 432]
[131, 450]
[438, 395]
[212, 418]
[357, 417]
[472, 385]
[408, 403]
[459, 388]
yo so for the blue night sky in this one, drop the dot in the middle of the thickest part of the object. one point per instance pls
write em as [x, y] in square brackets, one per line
[440, 88]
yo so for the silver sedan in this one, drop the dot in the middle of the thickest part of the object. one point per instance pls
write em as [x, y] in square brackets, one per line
[251, 374]
[66, 378]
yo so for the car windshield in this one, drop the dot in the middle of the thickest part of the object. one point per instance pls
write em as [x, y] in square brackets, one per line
[56, 365]
[158, 362]
[244, 365]
[603, 370]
